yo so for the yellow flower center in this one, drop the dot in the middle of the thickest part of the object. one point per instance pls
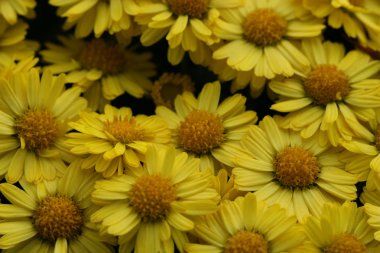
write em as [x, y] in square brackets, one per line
[151, 197]
[246, 242]
[124, 130]
[296, 167]
[346, 243]
[377, 138]
[200, 132]
[192, 8]
[264, 27]
[105, 56]
[37, 129]
[58, 217]
[168, 86]
[356, 2]
[326, 84]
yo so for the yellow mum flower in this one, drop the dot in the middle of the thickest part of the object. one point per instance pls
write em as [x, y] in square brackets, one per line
[33, 123]
[51, 216]
[341, 229]
[116, 140]
[260, 37]
[151, 209]
[103, 69]
[338, 92]
[248, 225]
[204, 128]
[11, 9]
[359, 18]
[300, 175]
[184, 24]
[94, 16]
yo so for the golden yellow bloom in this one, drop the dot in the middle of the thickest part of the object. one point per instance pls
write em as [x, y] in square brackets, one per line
[11, 9]
[248, 225]
[300, 175]
[51, 216]
[151, 209]
[334, 97]
[33, 123]
[102, 68]
[260, 37]
[204, 128]
[341, 229]
[94, 16]
[116, 140]
[186, 25]
[359, 18]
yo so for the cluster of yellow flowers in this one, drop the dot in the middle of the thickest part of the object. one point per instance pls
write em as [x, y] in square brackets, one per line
[203, 173]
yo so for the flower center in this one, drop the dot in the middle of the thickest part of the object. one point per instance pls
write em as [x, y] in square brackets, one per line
[192, 8]
[377, 138]
[296, 167]
[246, 242]
[264, 27]
[326, 84]
[168, 86]
[200, 132]
[346, 244]
[151, 197]
[356, 2]
[37, 129]
[105, 56]
[124, 130]
[58, 217]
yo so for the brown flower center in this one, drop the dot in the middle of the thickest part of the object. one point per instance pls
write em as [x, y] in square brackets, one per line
[346, 243]
[58, 217]
[296, 167]
[264, 27]
[151, 197]
[200, 132]
[168, 86]
[37, 129]
[125, 130]
[192, 8]
[326, 84]
[246, 242]
[105, 56]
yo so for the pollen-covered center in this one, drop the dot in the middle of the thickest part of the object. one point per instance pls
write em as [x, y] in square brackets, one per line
[264, 27]
[192, 8]
[246, 242]
[105, 56]
[151, 196]
[326, 84]
[57, 217]
[37, 129]
[377, 138]
[124, 130]
[168, 86]
[296, 167]
[200, 132]
[346, 243]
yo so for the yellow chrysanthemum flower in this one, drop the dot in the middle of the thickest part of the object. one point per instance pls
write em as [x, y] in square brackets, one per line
[338, 92]
[51, 216]
[116, 140]
[151, 208]
[298, 174]
[260, 37]
[10, 10]
[33, 122]
[359, 18]
[103, 69]
[341, 229]
[12, 41]
[184, 24]
[204, 128]
[248, 225]
[94, 16]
